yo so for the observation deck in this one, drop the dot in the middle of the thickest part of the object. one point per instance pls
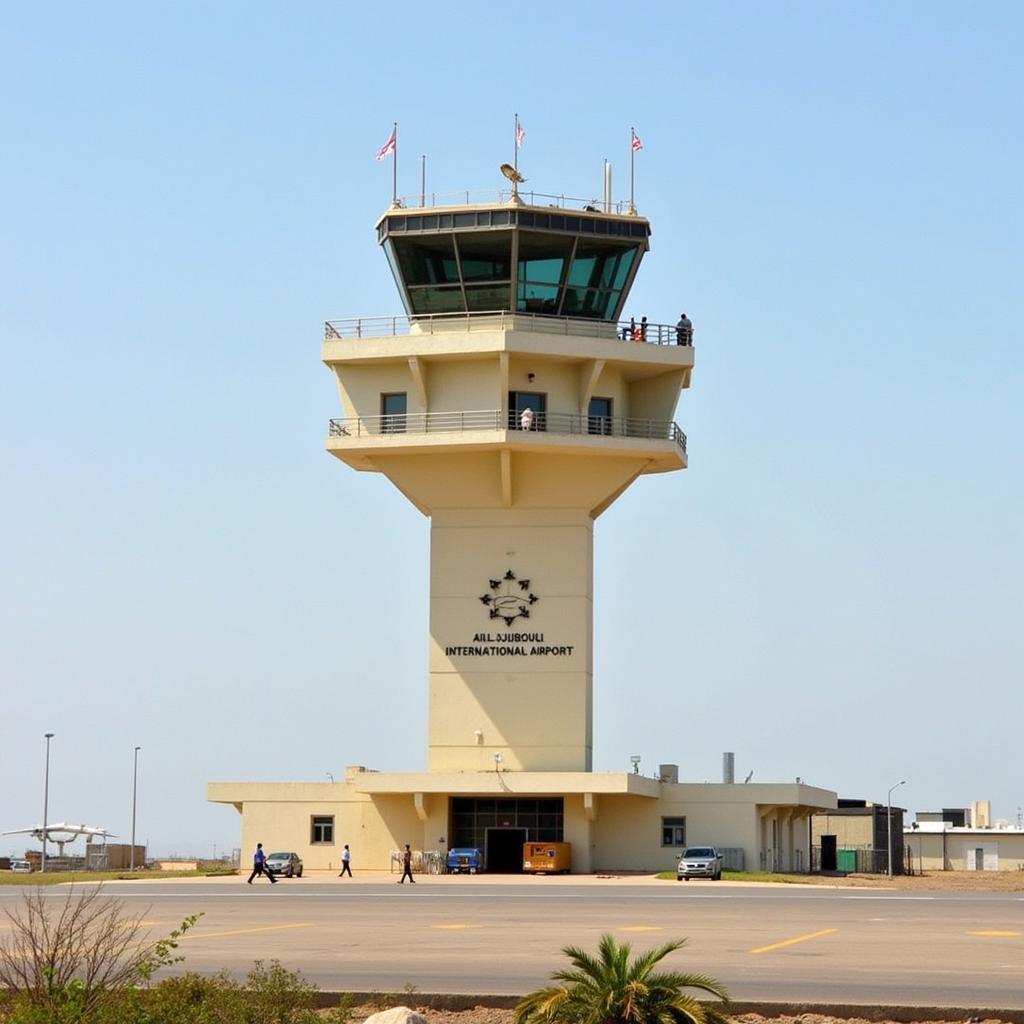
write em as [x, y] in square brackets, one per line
[511, 381]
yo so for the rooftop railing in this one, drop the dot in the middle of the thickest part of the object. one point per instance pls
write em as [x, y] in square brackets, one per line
[561, 423]
[436, 323]
[497, 196]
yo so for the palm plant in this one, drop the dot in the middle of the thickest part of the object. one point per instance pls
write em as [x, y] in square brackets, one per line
[609, 989]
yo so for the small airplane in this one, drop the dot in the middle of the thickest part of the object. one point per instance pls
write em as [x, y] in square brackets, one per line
[62, 833]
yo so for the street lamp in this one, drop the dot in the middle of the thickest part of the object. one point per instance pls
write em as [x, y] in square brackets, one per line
[46, 796]
[135, 792]
[888, 815]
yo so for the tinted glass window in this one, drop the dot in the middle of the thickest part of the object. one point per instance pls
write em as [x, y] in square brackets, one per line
[436, 300]
[486, 257]
[518, 403]
[587, 302]
[537, 298]
[599, 416]
[392, 412]
[484, 297]
[427, 260]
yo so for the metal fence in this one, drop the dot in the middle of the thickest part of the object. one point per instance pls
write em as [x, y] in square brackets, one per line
[500, 320]
[495, 196]
[492, 419]
[734, 858]
[866, 860]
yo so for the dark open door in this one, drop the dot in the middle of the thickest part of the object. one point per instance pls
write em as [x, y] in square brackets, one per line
[504, 851]
[828, 853]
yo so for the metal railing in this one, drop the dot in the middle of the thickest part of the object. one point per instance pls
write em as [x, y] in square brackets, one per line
[492, 197]
[560, 423]
[501, 320]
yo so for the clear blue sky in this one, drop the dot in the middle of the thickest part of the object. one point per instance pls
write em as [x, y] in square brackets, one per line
[832, 590]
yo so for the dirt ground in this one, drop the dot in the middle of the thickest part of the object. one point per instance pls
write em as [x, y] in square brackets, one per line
[936, 881]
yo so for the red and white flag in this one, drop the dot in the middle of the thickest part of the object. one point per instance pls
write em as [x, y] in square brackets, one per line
[389, 146]
[637, 144]
[520, 134]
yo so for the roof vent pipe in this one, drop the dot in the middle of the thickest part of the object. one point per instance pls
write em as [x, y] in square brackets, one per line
[607, 186]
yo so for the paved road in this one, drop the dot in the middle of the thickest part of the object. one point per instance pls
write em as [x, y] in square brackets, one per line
[475, 935]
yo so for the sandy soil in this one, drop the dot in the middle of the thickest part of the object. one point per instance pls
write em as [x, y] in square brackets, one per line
[942, 881]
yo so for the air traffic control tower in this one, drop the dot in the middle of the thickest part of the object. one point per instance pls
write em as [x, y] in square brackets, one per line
[512, 406]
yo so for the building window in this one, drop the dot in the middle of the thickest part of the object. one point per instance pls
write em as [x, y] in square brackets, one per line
[673, 831]
[519, 402]
[599, 416]
[392, 412]
[322, 830]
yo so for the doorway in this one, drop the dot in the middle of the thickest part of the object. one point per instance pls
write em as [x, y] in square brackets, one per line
[503, 850]
[829, 861]
[519, 402]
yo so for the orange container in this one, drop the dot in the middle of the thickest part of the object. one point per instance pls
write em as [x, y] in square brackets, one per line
[547, 858]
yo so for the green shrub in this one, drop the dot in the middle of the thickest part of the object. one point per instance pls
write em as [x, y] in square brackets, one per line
[68, 962]
[610, 989]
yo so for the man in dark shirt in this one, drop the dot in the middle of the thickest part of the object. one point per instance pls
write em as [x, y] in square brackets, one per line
[259, 865]
[407, 866]
[684, 330]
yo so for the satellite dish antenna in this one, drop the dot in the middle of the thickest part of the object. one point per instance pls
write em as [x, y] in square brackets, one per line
[512, 174]
[750, 776]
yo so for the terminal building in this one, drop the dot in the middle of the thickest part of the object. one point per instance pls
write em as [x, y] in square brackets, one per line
[511, 406]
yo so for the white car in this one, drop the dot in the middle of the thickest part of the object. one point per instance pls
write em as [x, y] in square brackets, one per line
[699, 862]
[21, 866]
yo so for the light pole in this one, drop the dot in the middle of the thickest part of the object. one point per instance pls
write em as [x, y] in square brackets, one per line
[888, 816]
[46, 797]
[135, 792]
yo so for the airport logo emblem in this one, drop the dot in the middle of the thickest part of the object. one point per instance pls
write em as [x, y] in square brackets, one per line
[509, 598]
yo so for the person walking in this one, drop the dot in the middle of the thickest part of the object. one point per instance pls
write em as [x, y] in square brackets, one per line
[407, 866]
[346, 862]
[259, 865]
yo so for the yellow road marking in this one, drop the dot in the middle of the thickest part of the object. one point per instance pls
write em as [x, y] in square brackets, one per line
[1002, 934]
[793, 942]
[246, 931]
[455, 927]
[641, 928]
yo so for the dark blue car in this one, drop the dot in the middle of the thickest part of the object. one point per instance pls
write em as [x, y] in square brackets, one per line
[465, 858]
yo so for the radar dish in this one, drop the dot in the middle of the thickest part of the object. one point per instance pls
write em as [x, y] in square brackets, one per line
[512, 174]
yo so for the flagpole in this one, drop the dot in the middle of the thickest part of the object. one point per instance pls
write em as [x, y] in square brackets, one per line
[515, 144]
[632, 169]
[394, 170]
